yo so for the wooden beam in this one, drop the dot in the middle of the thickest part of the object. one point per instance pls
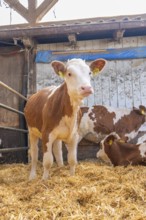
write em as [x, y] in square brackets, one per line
[18, 7]
[32, 14]
[118, 35]
[72, 39]
[44, 8]
[32, 5]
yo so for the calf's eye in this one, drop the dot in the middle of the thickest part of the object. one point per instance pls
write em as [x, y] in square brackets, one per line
[69, 74]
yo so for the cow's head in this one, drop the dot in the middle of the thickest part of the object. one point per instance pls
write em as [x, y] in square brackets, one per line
[76, 74]
[106, 145]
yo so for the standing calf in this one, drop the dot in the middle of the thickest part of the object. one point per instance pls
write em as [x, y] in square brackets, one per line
[52, 113]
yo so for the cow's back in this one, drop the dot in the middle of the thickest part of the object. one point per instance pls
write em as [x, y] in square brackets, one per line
[34, 107]
[99, 121]
[96, 121]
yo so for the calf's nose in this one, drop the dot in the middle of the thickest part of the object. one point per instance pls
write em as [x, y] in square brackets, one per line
[87, 89]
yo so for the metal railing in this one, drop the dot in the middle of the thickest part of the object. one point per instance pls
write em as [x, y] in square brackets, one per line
[3, 150]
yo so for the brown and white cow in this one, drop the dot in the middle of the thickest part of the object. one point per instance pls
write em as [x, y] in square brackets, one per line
[99, 121]
[52, 113]
[117, 152]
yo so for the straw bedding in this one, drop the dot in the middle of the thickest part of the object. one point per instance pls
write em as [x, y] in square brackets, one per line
[97, 192]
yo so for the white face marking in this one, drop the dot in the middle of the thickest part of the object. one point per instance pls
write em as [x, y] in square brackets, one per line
[101, 153]
[77, 76]
[142, 149]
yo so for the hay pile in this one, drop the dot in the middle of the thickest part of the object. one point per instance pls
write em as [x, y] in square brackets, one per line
[97, 192]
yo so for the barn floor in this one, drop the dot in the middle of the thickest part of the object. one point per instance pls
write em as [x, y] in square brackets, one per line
[97, 192]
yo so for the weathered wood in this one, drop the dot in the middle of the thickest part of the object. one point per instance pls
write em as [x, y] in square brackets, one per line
[12, 90]
[11, 71]
[44, 7]
[32, 14]
[32, 5]
[19, 8]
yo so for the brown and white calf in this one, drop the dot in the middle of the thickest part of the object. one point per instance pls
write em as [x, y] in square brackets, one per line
[117, 152]
[52, 113]
[99, 121]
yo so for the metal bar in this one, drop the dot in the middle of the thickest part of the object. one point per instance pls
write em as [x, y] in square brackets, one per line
[11, 109]
[5, 150]
[12, 90]
[14, 129]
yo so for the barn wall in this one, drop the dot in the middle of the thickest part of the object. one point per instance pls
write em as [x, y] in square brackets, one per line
[12, 73]
[121, 84]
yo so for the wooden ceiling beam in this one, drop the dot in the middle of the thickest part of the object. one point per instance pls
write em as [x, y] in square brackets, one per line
[19, 8]
[44, 8]
[33, 14]
[32, 5]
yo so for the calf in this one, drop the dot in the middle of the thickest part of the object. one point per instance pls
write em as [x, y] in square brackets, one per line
[101, 120]
[114, 150]
[52, 113]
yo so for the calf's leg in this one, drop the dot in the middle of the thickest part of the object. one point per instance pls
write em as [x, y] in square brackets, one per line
[33, 153]
[57, 151]
[72, 155]
[48, 155]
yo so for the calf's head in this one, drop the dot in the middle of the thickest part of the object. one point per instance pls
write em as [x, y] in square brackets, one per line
[76, 74]
[107, 150]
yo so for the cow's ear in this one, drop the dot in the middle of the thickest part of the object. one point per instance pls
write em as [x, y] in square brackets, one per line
[142, 109]
[110, 142]
[110, 139]
[97, 65]
[59, 68]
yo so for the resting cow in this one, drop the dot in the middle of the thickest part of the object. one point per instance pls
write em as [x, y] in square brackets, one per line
[99, 121]
[117, 152]
[52, 113]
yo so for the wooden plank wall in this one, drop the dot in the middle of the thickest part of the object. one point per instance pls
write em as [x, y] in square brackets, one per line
[12, 71]
[121, 84]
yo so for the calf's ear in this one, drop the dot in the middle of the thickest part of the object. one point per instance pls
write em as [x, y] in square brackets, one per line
[59, 68]
[142, 109]
[97, 65]
[110, 139]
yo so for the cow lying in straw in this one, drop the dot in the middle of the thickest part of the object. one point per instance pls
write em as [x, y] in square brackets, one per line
[117, 152]
[52, 113]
